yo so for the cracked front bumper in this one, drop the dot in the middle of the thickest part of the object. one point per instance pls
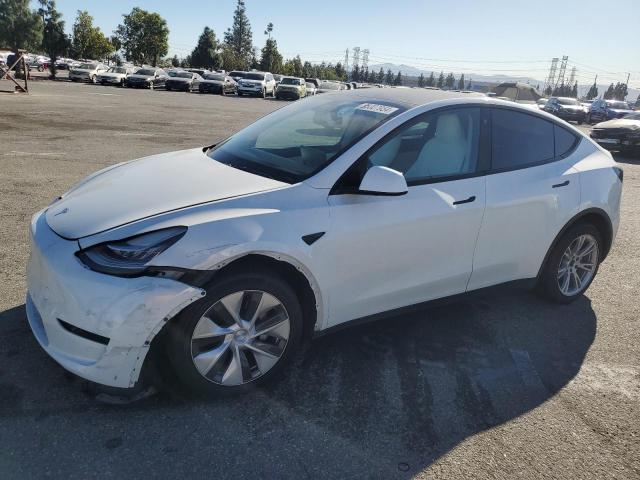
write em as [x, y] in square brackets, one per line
[97, 326]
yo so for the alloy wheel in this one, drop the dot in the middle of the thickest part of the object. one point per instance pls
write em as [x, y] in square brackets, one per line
[578, 265]
[240, 337]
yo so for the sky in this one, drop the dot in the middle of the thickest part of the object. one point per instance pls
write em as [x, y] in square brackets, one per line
[463, 36]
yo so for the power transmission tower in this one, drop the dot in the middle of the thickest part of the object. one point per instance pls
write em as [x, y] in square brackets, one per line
[572, 77]
[346, 61]
[356, 57]
[365, 59]
[563, 69]
[551, 79]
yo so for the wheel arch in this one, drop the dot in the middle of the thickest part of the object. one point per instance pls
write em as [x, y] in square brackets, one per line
[294, 272]
[595, 216]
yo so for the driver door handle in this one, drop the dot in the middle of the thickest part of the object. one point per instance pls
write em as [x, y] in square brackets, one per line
[468, 200]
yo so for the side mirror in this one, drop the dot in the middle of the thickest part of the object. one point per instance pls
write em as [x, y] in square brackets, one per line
[383, 181]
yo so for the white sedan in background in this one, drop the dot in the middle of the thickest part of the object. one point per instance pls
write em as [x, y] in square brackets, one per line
[115, 76]
[217, 262]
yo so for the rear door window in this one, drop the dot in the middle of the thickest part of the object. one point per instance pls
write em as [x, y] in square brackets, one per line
[519, 140]
[564, 140]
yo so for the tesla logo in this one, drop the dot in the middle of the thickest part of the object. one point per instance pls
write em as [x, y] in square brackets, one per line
[63, 211]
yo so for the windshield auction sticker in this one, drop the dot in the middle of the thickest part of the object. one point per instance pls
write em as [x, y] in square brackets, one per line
[377, 108]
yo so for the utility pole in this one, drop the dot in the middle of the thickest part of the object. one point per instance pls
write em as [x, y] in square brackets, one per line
[626, 85]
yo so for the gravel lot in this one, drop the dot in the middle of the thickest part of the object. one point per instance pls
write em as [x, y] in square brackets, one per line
[500, 386]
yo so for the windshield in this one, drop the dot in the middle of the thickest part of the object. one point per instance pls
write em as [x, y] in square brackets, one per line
[145, 71]
[118, 70]
[254, 76]
[214, 77]
[184, 74]
[568, 101]
[237, 74]
[290, 81]
[299, 140]
[88, 66]
[620, 105]
[330, 86]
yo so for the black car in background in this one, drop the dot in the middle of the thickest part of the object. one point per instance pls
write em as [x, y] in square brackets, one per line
[218, 83]
[147, 77]
[182, 81]
[566, 108]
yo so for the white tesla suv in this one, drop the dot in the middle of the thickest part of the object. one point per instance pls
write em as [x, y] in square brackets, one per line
[216, 263]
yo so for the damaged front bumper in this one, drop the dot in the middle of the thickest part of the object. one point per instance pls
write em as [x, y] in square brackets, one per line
[97, 326]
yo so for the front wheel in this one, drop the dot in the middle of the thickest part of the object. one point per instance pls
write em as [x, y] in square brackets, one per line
[241, 334]
[93, 79]
[572, 264]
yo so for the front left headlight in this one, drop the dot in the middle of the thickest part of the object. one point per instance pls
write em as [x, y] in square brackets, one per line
[130, 257]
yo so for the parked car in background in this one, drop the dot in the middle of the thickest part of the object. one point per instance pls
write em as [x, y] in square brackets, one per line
[115, 76]
[277, 77]
[311, 89]
[566, 108]
[217, 264]
[147, 77]
[257, 83]
[199, 71]
[329, 86]
[292, 88]
[87, 72]
[184, 81]
[218, 83]
[621, 134]
[237, 75]
[39, 63]
[602, 110]
[541, 103]
[315, 81]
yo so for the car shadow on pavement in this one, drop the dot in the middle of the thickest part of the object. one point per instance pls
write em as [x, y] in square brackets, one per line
[382, 400]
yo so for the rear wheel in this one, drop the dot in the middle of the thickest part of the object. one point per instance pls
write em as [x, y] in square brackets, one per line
[241, 334]
[573, 264]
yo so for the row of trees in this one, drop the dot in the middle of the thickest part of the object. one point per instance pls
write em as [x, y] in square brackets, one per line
[564, 91]
[143, 36]
[618, 91]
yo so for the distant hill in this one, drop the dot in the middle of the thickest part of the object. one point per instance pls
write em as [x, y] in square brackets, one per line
[484, 82]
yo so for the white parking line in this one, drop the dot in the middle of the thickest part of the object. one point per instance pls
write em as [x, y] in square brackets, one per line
[130, 134]
[31, 154]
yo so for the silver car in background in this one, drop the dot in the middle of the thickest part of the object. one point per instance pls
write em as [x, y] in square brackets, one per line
[87, 72]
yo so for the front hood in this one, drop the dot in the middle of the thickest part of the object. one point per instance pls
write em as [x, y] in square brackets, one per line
[139, 77]
[618, 123]
[149, 186]
[620, 111]
[212, 82]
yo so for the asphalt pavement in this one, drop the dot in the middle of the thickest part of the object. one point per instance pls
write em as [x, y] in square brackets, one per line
[504, 385]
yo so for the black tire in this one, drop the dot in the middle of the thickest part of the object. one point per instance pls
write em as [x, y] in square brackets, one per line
[264, 93]
[177, 340]
[94, 79]
[548, 280]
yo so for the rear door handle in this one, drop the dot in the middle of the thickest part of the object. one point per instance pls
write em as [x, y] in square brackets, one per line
[468, 200]
[563, 184]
